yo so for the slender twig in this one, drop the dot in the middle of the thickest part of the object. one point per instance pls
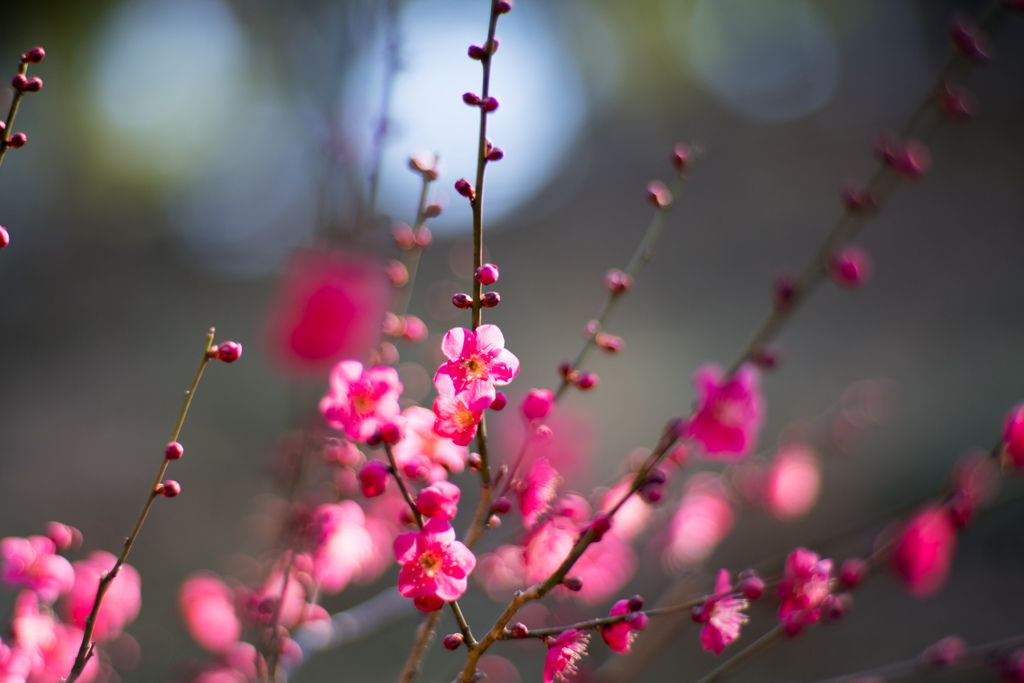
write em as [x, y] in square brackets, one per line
[85, 651]
[467, 633]
[419, 647]
[393, 467]
[915, 667]
[741, 657]
[6, 132]
[603, 621]
[411, 257]
[392, 63]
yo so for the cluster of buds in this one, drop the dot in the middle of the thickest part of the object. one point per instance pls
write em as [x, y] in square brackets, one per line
[408, 239]
[481, 53]
[406, 327]
[22, 84]
[909, 159]
[579, 378]
[488, 104]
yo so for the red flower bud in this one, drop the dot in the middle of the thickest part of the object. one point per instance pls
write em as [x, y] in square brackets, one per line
[174, 450]
[462, 301]
[228, 352]
[487, 274]
[17, 140]
[452, 641]
[491, 299]
[168, 488]
[5, 238]
[19, 82]
[35, 84]
[35, 55]
[373, 478]
[681, 157]
[471, 99]
[658, 194]
[463, 187]
[500, 401]
[489, 104]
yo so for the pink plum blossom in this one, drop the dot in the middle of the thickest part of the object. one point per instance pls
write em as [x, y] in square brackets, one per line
[632, 516]
[729, 411]
[454, 419]
[426, 452]
[121, 603]
[722, 616]
[32, 563]
[793, 482]
[563, 654]
[620, 635]
[1013, 436]
[43, 644]
[923, 551]
[435, 566]
[330, 306]
[806, 582]
[701, 521]
[342, 545]
[208, 611]
[537, 490]
[440, 499]
[361, 401]
[477, 361]
[537, 404]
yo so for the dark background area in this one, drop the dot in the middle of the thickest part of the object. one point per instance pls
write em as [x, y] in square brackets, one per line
[108, 286]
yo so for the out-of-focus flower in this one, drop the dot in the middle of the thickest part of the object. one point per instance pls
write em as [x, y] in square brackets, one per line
[477, 361]
[700, 523]
[440, 499]
[32, 563]
[330, 306]
[620, 635]
[923, 551]
[121, 603]
[1013, 436]
[563, 653]
[361, 401]
[537, 490]
[435, 566]
[804, 586]
[729, 411]
[722, 615]
[793, 482]
[342, 545]
[44, 649]
[208, 611]
[426, 450]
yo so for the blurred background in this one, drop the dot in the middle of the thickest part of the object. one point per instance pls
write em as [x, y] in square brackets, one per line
[181, 149]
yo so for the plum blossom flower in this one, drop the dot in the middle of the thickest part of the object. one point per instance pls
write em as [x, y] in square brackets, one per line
[208, 611]
[44, 649]
[120, 605]
[440, 499]
[537, 490]
[455, 420]
[923, 552]
[435, 566]
[703, 519]
[729, 411]
[330, 306]
[806, 582]
[32, 563]
[425, 454]
[361, 401]
[477, 361]
[563, 653]
[793, 482]
[620, 635]
[342, 545]
[722, 616]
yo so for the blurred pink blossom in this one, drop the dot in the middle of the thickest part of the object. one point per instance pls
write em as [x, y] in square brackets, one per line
[804, 586]
[343, 545]
[121, 603]
[208, 612]
[330, 306]
[729, 412]
[923, 551]
[361, 400]
[32, 563]
[426, 450]
[703, 519]
[793, 482]
[536, 491]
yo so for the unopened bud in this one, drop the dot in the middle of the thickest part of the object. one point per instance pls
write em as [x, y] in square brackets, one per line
[472, 99]
[681, 157]
[415, 330]
[751, 585]
[490, 299]
[852, 572]
[609, 342]
[494, 521]
[565, 369]
[433, 210]
[19, 82]
[17, 140]
[850, 266]
[573, 583]
[390, 433]
[586, 380]
[500, 401]
[373, 478]
[783, 291]
[912, 160]
[945, 653]
[856, 199]
[518, 630]
[452, 641]
[169, 488]
[5, 237]
[462, 301]
[635, 603]
[463, 187]
[956, 102]
[969, 41]
[503, 6]
[228, 352]
[174, 450]
[638, 621]
[403, 235]
[489, 104]
[766, 357]
[397, 273]
[487, 274]
[658, 195]
[473, 462]
[616, 281]
[35, 84]
[501, 505]
[476, 52]
[495, 154]
[35, 55]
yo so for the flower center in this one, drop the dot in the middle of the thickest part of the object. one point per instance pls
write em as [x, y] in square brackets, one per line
[730, 412]
[430, 562]
[362, 402]
[475, 367]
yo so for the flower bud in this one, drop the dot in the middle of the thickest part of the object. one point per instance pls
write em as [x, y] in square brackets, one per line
[850, 266]
[518, 630]
[495, 154]
[17, 140]
[501, 505]
[228, 352]
[494, 521]
[945, 653]
[34, 56]
[433, 210]
[856, 199]
[463, 187]
[452, 641]
[852, 572]
[834, 607]
[174, 450]
[956, 102]
[609, 342]
[658, 195]
[373, 478]
[766, 357]
[462, 301]
[415, 330]
[19, 82]
[35, 84]
[5, 237]
[969, 41]
[489, 104]
[503, 6]
[169, 488]
[586, 380]
[403, 235]
[565, 369]
[537, 404]
[397, 273]
[391, 433]
[476, 52]
[473, 462]
[751, 585]
[573, 583]
[487, 274]
[616, 281]
[490, 299]
[499, 402]
[471, 99]
[681, 157]
[912, 160]
[783, 291]
[635, 603]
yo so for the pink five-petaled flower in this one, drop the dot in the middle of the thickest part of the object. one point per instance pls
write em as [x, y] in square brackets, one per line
[619, 636]
[360, 401]
[804, 586]
[208, 610]
[923, 551]
[121, 603]
[435, 566]
[32, 563]
[477, 361]
[729, 411]
[563, 653]
[455, 420]
[423, 453]
[722, 616]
